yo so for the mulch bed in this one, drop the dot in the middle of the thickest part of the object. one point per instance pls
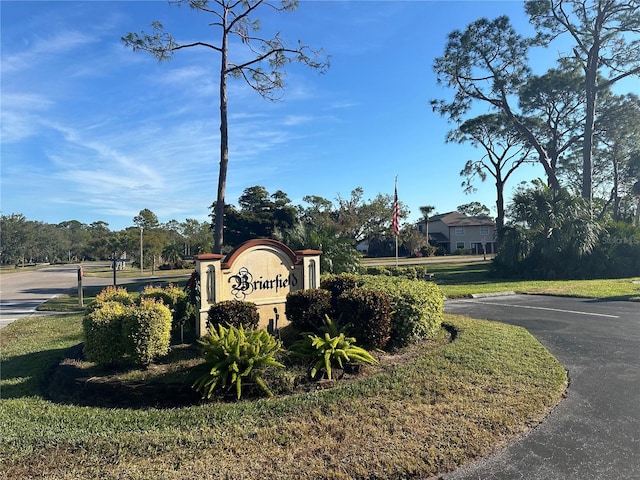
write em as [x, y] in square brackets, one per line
[72, 381]
[67, 382]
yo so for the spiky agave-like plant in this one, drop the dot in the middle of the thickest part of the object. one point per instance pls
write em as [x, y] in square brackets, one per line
[332, 348]
[232, 354]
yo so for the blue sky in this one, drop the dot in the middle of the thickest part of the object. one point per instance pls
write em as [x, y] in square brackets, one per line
[92, 131]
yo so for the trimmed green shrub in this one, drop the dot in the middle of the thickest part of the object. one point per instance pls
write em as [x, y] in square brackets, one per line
[102, 328]
[169, 295]
[367, 313]
[374, 270]
[112, 294]
[337, 285]
[174, 298]
[233, 312]
[330, 349]
[417, 306]
[412, 272]
[232, 354]
[306, 309]
[147, 331]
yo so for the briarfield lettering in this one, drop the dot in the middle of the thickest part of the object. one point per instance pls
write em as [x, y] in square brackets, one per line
[245, 284]
[277, 283]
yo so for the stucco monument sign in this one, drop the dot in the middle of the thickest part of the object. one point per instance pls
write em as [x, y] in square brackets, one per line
[260, 271]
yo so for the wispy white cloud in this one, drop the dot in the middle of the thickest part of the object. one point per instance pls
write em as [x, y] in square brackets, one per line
[115, 171]
[20, 115]
[296, 120]
[184, 76]
[338, 105]
[34, 51]
[116, 132]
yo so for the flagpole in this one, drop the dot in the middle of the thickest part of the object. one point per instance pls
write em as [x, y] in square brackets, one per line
[396, 250]
[396, 215]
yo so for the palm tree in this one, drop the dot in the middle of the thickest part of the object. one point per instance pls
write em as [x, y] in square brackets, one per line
[426, 211]
[551, 235]
[172, 253]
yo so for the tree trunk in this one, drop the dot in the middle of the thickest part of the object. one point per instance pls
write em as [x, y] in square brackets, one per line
[616, 188]
[224, 146]
[500, 210]
[589, 123]
[426, 227]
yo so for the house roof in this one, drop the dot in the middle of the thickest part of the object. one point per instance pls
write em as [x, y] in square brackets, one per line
[438, 237]
[457, 219]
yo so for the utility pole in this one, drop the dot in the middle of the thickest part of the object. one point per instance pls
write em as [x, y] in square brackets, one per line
[141, 251]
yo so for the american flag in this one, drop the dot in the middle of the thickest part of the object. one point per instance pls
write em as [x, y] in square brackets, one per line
[396, 213]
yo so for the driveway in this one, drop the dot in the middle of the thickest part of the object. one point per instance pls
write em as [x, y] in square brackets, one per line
[594, 434]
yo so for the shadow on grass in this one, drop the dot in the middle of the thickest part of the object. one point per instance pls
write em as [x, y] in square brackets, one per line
[30, 369]
[47, 291]
[455, 274]
[63, 376]
[72, 381]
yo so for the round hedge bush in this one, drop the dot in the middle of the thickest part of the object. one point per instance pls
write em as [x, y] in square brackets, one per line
[169, 295]
[233, 312]
[111, 294]
[417, 306]
[367, 316]
[103, 332]
[306, 309]
[175, 299]
[337, 284]
[147, 331]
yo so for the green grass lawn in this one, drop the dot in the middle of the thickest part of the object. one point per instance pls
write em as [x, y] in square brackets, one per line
[464, 279]
[424, 411]
[132, 272]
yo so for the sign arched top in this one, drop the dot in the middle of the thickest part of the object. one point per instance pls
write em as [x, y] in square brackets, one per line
[258, 242]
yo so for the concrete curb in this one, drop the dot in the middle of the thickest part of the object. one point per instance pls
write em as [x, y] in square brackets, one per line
[492, 294]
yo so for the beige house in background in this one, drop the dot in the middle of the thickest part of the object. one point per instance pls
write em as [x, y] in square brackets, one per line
[456, 231]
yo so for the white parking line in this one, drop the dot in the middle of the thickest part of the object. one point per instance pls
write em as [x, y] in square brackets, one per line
[546, 308]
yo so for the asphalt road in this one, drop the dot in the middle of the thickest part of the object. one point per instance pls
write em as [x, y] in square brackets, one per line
[22, 292]
[593, 434]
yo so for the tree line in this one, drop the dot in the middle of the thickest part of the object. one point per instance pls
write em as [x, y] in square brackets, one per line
[335, 227]
[28, 241]
[547, 235]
